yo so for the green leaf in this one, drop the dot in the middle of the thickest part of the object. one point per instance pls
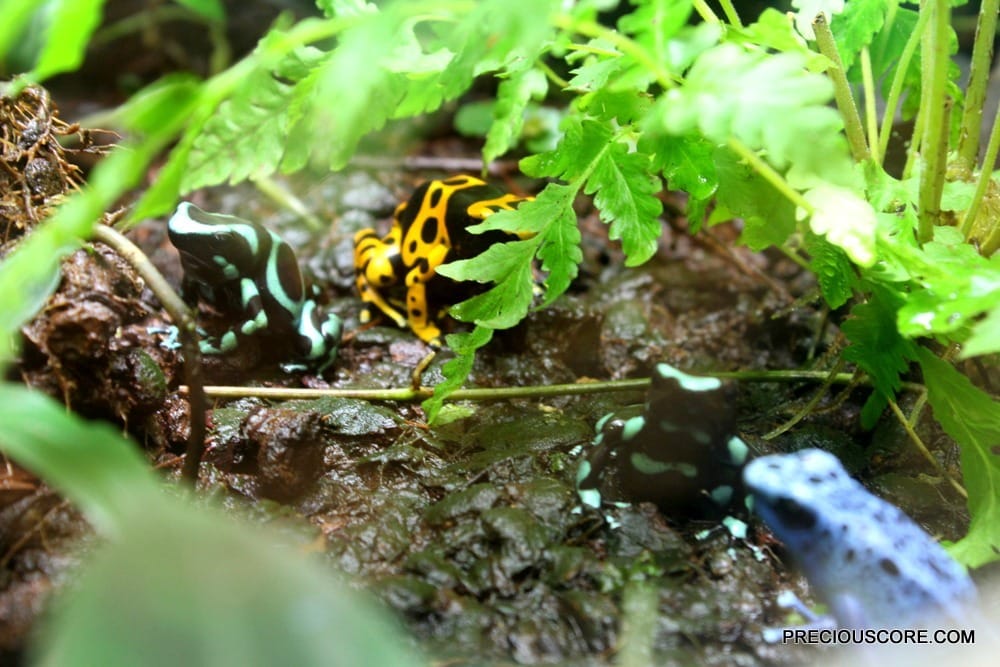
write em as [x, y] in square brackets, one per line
[985, 338]
[211, 10]
[171, 591]
[878, 348]
[810, 9]
[772, 29]
[70, 25]
[846, 220]
[654, 23]
[602, 63]
[621, 106]
[329, 118]
[16, 16]
[625, 196]
[685, 161]
[972, 419]
[560, 250]
[509, 266]
[856, 27]
[833, 270]
[888, 47]
[769, 102]
[345, 8]
[584, 140]
[513, 96]
[768, 217]
[90, 463]
[593, 156]
[474, 119]
[955, 284]
[456, 370]
[247, 134]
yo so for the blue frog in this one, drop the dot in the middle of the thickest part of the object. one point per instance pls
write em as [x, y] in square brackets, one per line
[873, 565]
[239, 266]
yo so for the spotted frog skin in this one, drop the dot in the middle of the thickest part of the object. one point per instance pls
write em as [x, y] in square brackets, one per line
[679, 451]
[238, 266]
[870, 562]
[396, 274]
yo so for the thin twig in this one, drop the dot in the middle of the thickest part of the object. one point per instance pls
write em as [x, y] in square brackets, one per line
[188, 334]
[807, 409]
[922, 448]
[506, 393]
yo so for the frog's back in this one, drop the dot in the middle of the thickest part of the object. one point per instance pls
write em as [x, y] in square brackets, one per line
[873, 564]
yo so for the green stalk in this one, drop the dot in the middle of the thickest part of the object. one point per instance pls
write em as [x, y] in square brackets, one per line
[841, 89]
[985, 175]
[730, 11]
[224, 392]
[187, 331]
[934, 142]
[770, 175]
[705, 12]
[620, 42]
[975, 94]
[896, 89]
[871, 114]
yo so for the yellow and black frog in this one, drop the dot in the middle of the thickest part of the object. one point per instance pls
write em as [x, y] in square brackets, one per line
[397, 273]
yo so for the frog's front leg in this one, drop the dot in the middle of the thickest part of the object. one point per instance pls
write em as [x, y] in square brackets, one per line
[318, 340]
[256, 320]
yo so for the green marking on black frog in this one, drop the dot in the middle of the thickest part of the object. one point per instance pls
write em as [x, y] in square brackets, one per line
[240, 267]
[680, 453]
[870, 562]
[648, 466]
[694, 383]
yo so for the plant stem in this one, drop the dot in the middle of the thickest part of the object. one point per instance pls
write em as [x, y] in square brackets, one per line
[185, 323]
[705, 12]
[730, 11]
[975, 94]
[807, 409]
[621, 42]
[934, 143]
[985, 175]
[506, 393]
[551, 74]
[896, 89]
[283, 197]
[770, 175]
[871, 114]
[841, 89]
[922, 448]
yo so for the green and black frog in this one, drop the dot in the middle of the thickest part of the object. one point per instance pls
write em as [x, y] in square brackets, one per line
[239, 267]
[678, 450]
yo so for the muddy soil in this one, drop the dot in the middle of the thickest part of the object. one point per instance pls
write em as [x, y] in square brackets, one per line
[470, 529]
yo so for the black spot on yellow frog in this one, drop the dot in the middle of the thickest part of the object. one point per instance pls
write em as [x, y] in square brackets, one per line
[397, 273]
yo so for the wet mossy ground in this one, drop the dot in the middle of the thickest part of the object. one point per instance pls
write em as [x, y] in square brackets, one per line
[470, 529]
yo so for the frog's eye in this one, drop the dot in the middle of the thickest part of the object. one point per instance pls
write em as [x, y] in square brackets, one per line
[794, 515]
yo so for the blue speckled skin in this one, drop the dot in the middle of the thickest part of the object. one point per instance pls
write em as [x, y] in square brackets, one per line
[870, 562]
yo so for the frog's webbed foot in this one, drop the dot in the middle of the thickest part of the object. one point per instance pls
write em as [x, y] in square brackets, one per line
[171, 334]
[216, 345]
